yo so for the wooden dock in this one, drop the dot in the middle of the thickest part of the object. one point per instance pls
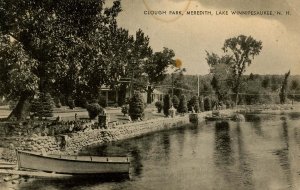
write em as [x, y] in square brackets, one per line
[34, 173]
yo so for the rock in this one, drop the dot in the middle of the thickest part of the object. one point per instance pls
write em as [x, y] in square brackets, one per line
[11, 178]
[15, 182]
[238, 117]
[7, 178]
[11, 146]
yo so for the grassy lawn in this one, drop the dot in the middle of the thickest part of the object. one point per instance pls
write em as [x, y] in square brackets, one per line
[115, 114]
[69, 114]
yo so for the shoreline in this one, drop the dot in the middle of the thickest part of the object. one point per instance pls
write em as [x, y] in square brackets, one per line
[76, 141]
[80, 140]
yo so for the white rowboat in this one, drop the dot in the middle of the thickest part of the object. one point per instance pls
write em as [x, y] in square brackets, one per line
[73, 164]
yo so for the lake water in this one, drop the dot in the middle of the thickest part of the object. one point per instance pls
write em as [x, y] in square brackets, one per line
[261, 153]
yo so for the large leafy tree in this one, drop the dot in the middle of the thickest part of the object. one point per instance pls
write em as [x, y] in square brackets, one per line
[56, 39]
[221, 69]
[156, 68]
[17, 80]
[242, 49]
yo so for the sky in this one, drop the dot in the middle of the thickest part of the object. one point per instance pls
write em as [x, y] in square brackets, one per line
[190, 36]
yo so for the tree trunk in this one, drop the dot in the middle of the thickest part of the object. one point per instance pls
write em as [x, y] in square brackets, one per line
[236, 98]
[20, 112]
[236, 89]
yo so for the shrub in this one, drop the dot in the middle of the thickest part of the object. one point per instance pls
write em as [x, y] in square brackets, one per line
[207, 104]
[182, 107]
[42, 106]
[136, 106]
[125, 109]
[94, 109]
[71, 103]
[201, 103]
[167, 104]
[159, 106]
[81, 102]
[58, 104]
[175, 101]
[193, 104]
[102, 101]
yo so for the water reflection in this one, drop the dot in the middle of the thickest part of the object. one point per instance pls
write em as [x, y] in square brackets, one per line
[166, 145]
[294, 115]
[256, 123]
[252, 118]
[257, 154]
[283, 153]
[223, 150]
[180, 138]
[297, 136]
[76, 183]
[136, 164]
[245, 169]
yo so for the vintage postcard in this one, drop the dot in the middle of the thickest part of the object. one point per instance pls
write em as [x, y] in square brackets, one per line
[150, 94]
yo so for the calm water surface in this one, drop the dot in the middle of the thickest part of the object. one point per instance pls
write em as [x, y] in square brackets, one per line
[261, 153]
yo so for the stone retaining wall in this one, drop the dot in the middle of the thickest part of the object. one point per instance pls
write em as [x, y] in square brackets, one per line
[72, 143]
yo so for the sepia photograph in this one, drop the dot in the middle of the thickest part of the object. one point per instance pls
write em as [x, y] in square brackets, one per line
[149, 95]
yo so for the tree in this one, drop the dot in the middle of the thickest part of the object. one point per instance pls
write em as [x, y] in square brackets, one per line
[166, 104]
[136, 107]
[159, 106]
[182, 107]
[207, 104]
[193, 104]
[175, 101]
[201, 103]
[180, 85]
[17, 82]
[266, 82]
[55, 39]
[221, 69]
[283, 89]
[294, 86]
[242, 50]
[156, 68]
[42, 106]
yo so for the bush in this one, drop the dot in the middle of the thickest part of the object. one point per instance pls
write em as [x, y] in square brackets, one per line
[167, 104]
[207, 104]
[193, 104]
[136, 106]
[182, 107]
[125, 109]
[201, 103]
[102, 101]
[159, 106]
[94, 109]
[42, 106]
[175, 101]
[58, 104]
[81, 102]
[71, 103]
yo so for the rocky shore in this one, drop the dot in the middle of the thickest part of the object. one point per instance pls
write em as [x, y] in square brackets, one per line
[71, 143]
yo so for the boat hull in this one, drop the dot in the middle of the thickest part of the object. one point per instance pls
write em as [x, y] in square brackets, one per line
[73, 165]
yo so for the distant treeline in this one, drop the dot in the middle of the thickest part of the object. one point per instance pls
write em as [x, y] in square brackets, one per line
[255, 89]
